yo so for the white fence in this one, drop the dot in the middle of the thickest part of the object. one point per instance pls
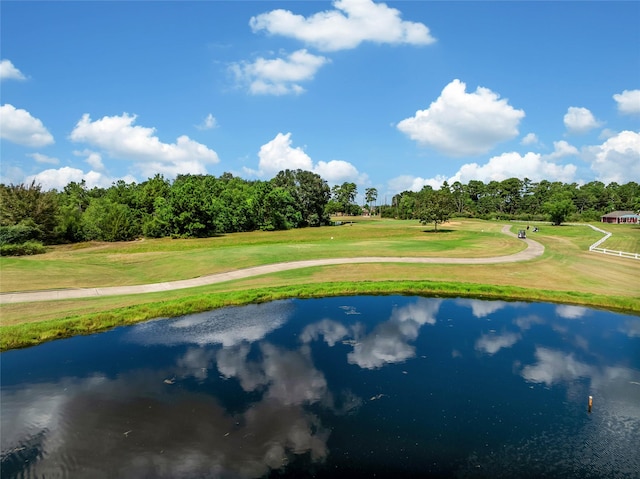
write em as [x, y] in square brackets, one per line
[595, 246]
[612, 252]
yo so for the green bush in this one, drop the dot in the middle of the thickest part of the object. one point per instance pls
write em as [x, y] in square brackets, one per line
[22, 249]
[17, 234]
[591, 215]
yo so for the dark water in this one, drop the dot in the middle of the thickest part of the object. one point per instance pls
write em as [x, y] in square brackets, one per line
[342, 387]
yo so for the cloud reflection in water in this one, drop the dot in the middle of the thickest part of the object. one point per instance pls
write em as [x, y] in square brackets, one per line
[244, 391]
[389, 341]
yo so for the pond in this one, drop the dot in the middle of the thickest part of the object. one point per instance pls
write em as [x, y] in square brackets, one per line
[384, 386]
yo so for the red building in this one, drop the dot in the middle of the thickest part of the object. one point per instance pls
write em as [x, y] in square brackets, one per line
[619, 217]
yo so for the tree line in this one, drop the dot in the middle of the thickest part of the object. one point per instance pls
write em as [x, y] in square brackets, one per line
[194, 206]
[515, 199]
[190, 206]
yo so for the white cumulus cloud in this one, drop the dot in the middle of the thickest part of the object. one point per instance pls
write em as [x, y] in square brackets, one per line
[18, 126]
[531, 165]
[628, 102]
[279, 154]
[40, 158]
[580, 120]
[120, 138]
[514, 165]
[617, 159]
[530, 139]
[9, 72]
[338, 171]
[61, 177]
[460, 123]
[209, 123]
[93, 158]
[413, 183]
[278, 76]
[562, 149]
[350, 23]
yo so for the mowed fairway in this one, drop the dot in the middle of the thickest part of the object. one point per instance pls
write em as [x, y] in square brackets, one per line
[156, 260]
[566, 272]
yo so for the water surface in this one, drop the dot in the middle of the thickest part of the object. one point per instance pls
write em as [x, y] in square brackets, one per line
[355, 386]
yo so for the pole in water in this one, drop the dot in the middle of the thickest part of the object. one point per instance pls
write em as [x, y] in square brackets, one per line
[590, 403]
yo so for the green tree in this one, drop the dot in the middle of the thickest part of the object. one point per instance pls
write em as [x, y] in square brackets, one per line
[29, 206]
[558, 209]
[310, 192]
[597, 194]
[149, 191]
[344, 195]
[434, 206]
[152, 206]
[543, 192]
[158, 223]
[123, 193]
[73, 202]
[280, 209]
[229, 207]
[404, 205]
[190, 201]
[510, 195]
[583, 200]
[629, 196]
[476, 189]
[333, 208]
[105, 220]
[459, 196]
[370, 196]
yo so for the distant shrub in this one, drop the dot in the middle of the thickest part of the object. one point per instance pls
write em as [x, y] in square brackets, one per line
[17, 234]
[22, 249]
[591, 215]
[314, 220]
[521, 217]
[463, 214]
[574, 218]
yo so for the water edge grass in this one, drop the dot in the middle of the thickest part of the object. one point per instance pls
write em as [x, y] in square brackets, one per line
[566, 273]
[29, 334]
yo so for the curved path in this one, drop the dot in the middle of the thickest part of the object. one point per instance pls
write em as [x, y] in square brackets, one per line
[533, 250]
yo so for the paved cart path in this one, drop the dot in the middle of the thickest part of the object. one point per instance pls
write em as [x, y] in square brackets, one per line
[533, 250]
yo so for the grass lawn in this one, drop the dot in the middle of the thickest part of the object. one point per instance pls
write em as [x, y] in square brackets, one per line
[624, 237]
[567, 272]
[157, 260]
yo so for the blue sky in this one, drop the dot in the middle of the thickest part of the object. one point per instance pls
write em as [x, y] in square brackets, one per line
[393, 95]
